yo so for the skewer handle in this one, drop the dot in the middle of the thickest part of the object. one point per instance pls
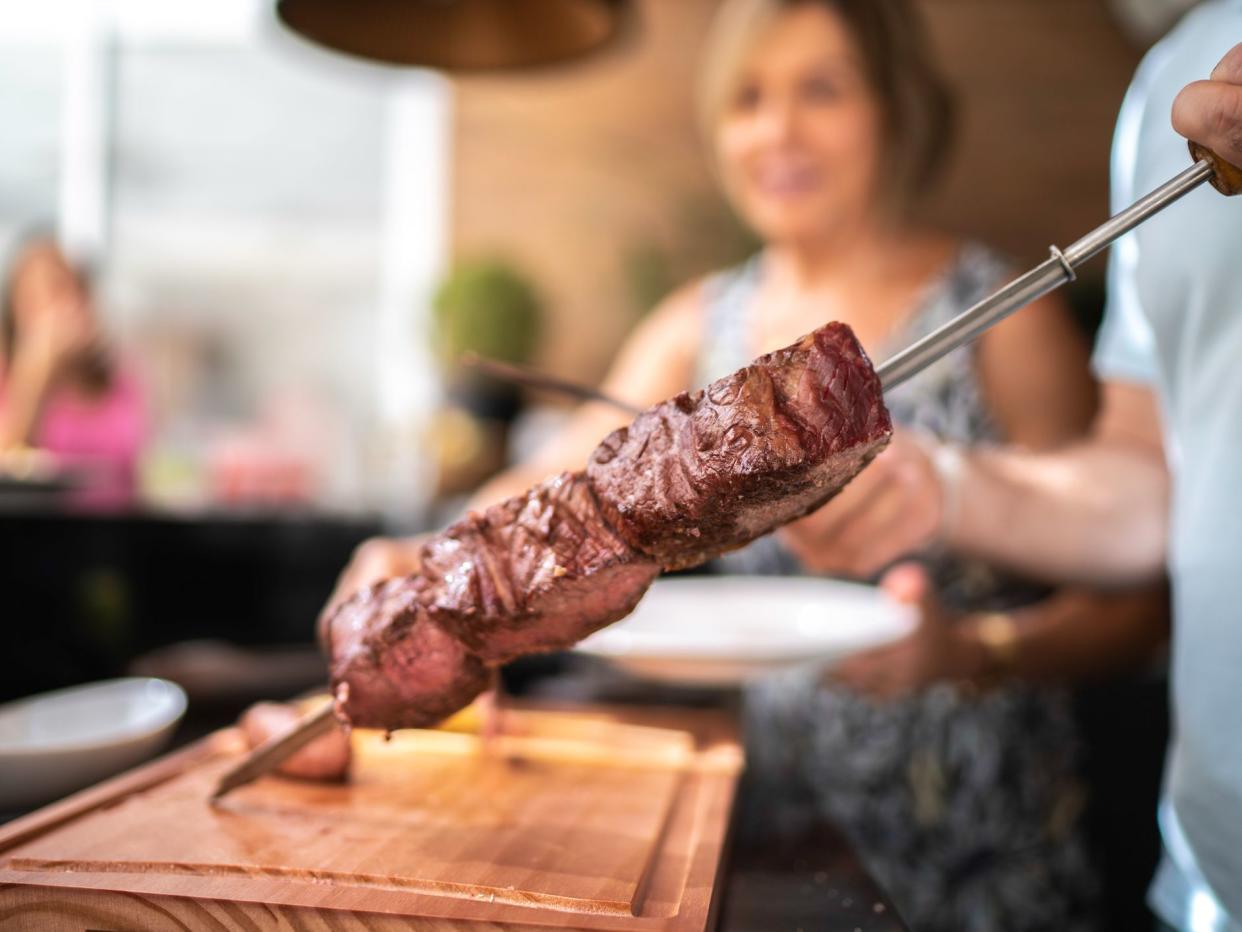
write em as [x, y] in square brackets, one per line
[1226, 178]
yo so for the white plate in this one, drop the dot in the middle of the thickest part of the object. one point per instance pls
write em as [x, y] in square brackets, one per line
[723, 630]
[58, 742]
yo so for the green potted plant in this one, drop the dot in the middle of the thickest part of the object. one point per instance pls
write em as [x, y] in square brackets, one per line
[488, 308]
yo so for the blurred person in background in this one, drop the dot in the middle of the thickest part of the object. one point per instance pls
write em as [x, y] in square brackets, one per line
[62, 388]
[827, 120]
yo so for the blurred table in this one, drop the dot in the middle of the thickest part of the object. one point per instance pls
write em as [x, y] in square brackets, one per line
[799, 875]
[86, 592]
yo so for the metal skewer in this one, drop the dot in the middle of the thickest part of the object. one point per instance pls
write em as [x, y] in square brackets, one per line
[1049, 275]
[1061, 267]
[272, 753]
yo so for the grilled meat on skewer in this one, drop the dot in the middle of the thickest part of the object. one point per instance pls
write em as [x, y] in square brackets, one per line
[690, 478]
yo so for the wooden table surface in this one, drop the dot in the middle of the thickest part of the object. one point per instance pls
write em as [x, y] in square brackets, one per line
[776, 876]
[805, 876]
[579, 818]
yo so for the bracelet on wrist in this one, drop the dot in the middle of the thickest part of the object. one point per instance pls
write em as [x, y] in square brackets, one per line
[997, 633]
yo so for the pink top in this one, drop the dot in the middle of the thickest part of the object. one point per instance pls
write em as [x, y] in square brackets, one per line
[101, 436]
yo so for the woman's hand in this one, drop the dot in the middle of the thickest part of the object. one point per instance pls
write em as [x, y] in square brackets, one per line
[893, 508]
[938, 649]
[50, 340]
[1210, 112]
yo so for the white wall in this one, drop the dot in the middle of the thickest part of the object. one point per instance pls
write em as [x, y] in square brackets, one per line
[265, 212]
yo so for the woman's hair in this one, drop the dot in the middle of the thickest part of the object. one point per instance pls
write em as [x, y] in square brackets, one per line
[899, 64]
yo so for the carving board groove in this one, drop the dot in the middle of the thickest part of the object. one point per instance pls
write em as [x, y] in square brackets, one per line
[589, 819]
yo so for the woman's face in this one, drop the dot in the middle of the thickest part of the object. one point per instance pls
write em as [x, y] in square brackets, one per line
[799, 139]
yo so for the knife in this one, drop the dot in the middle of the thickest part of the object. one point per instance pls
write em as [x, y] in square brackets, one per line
[277, 749]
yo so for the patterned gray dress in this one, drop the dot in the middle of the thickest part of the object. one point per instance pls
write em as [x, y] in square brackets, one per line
[964, 807]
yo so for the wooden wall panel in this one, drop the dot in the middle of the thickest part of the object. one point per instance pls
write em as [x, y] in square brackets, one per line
[1039, 83]
[567, 170]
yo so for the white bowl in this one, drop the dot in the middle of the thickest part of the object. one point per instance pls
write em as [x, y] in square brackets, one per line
[58, 742]
[724, 630]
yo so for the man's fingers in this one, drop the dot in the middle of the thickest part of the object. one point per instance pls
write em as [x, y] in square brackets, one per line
[861, 547]
[886, 531]
[1230, 67]
[820, 528]
[1210, 113]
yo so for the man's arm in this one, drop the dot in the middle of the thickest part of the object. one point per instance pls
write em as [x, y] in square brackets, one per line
[1095, 512]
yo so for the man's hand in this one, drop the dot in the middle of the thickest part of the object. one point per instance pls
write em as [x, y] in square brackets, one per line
[893, 508]
[1210, 112]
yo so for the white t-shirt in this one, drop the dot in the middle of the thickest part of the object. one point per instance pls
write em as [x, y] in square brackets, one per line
[1174, 320]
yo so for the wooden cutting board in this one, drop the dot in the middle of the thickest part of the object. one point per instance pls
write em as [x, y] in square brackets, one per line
[585, 819]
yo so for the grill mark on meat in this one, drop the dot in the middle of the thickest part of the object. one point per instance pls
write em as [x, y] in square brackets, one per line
[706, 472]
[690, 478]
[392, 666]
[537, 572]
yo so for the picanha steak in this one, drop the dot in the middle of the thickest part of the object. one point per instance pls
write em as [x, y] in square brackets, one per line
[538, 572]
[392, 666]
[707, 472]
[690, 478]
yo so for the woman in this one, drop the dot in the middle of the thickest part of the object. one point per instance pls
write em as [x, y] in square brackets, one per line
[827, 119]
[60, 388]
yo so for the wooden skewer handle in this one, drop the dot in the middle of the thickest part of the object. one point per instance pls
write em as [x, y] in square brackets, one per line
[1226, 177]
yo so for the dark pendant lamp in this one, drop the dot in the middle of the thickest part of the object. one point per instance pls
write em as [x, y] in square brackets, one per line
[456, 35]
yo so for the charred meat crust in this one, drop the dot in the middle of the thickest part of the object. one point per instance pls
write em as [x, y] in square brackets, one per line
[704, 473]
[392, 666]
[537, 572]
[690, 478]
